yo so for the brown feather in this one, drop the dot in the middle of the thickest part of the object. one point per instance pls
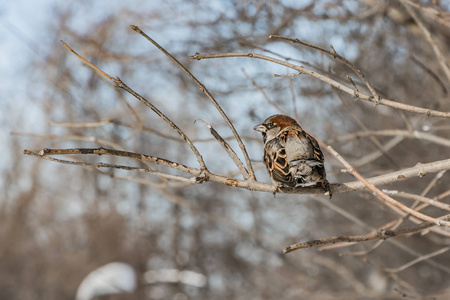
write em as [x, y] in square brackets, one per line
[293, 157]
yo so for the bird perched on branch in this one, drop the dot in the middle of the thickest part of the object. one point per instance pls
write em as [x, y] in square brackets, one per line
[292, 156]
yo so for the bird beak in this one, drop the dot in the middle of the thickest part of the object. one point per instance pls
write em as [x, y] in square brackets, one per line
[260, 127]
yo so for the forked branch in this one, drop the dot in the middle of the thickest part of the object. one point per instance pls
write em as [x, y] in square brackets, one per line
[385, 198]
[332, 82]
[250, 173]
[377, 235]
[120, 84]
[337, 56]
[250, 184]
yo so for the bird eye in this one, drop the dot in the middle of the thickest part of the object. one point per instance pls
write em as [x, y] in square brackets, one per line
[270, 125]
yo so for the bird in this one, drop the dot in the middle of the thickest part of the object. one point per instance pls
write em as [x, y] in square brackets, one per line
[292, 156]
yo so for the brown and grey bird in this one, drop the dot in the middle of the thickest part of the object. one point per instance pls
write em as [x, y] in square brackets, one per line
[292, 156]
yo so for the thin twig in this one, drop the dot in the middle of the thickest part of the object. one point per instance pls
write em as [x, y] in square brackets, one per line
[259, 88]
[388, 226]
[426, 200]
[419, 170]
[71, 137]
[421, 198]
[415, 261]
[80, 125]
[130, 108]
[377, 235]
[207, 93]
[374, 140]
[363, 224]
[103, 151]
[377, 153]
[355, 88]
[120, 84]
[334, 83]
[393, 132]
[385, 198]
[341, 58]
[228, 149]
[416, 171]
[430, 72]
[439, 55]
[149, 129]
[288, 75]
[177, 139]
[417, 199]
[442, 195]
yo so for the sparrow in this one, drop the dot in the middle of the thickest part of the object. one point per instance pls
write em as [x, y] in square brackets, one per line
[292, 156]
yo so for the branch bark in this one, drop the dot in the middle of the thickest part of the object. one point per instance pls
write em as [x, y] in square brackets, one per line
[334, 83]
[377, 235]
[416, 171]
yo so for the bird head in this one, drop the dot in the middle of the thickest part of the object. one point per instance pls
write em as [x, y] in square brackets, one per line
[273, 125]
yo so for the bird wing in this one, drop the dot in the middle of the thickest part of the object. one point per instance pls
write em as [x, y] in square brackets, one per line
[305, 146]
[318, 155]
[276, 162]
[304, 156]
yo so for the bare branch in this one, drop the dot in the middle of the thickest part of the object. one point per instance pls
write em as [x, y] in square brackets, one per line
[430, 72]
[336, 56]
[417, 260]
[71, 137]
[362, 224]
[416, 171]
[334, 83]
[440, 57]
[429, 201]
[80, 125]
[355, 88]
[207, 93]
[394, 132]
[385, 198]
[102, 151]
[377, 235]
[382, 149]
[228, 149]
[377, 153]
[270, 102]
[120, 84]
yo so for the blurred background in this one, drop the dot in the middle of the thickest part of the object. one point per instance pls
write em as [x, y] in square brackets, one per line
[58, 222]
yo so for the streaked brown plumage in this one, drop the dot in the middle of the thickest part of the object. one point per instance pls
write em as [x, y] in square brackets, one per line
[292, 156]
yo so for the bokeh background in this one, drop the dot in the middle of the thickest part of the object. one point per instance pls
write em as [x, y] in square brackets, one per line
[59, 222]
